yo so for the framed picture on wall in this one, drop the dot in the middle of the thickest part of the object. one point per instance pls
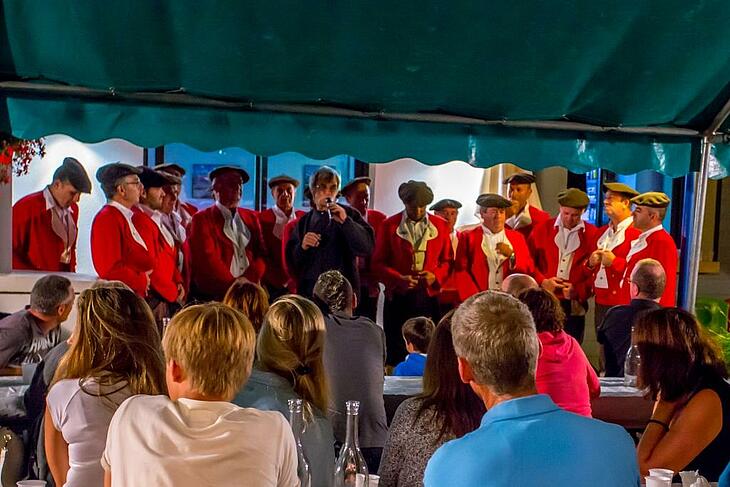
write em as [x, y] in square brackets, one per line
[200, 181]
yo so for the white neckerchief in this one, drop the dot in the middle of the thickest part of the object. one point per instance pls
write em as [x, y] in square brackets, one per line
[638, 245]
[128, 214]
[454, 241]
[610, 240]
[156, 217]
[567, 241]
[182, 213]
[237, 232]
[62, 224]
[281, 220]
[418, 234]
[521, 219]
[494, 258]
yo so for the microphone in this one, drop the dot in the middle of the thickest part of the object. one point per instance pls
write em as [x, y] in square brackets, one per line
[328, 201]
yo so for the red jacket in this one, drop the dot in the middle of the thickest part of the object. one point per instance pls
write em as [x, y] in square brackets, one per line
[615, 294]
[276, 274]
[165, 276]
[35, 245]
[661, 247]
[393, 256]
[472, 269]
[115, 253]
[538, 216]
[367, 278]
[545, 255]
[211, 253]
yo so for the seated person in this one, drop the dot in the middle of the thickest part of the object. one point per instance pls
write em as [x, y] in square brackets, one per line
[417, 335]
[27, 335]
[250, 299]
[196, 436]
[524, 438]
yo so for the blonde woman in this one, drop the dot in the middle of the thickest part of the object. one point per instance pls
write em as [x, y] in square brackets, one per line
[289, 349]
[115, 353]
[250, 299]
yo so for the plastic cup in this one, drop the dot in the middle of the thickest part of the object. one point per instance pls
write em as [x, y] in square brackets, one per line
[31, 483]
[658, 481]
[689, 477]
[661, 472]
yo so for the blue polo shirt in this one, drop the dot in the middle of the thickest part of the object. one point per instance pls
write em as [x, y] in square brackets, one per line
[530, 441]
[413, 365]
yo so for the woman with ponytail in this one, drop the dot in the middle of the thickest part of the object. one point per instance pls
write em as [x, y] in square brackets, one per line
[289, 348]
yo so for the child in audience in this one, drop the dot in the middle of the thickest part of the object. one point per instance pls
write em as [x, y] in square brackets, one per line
[196, 436]
[417, 334]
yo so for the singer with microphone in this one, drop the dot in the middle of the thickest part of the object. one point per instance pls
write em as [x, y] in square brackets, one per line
[329, 237]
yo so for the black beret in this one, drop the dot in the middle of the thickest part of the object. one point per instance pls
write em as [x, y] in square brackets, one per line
[415, 192]
[356, 181]
[491, 200]
[520, 178]
[573, 198]
[283, 178]
[110, 173]
[156, 179]
[222, 169]
[620, 188]
[72, 171]
[171, 168]
[445, 203]
[652, 199]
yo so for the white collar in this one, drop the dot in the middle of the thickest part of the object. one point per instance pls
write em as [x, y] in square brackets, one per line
[645, 234]
[280, 215]
[622, 225]
[489, 233]
[127, 212]
[51, 201]
[227, 214]
[559, 223]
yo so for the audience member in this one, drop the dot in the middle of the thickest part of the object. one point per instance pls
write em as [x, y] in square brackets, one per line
[683, 371]
[446, 409]
[289, 350]
[417, 335]
[354, 360]
[196, 436]
[514, 284]
[563, 370]
[725, 477]
[115, 353]
[250, 299]
[524, 438]
[27, 335]
[614, 333]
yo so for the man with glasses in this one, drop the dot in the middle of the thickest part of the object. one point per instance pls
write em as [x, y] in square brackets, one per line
[118, 251]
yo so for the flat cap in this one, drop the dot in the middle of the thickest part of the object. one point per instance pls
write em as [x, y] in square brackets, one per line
[620, 188]
[156, 179]
[109, 173]
[283, 178]
[223, 169]
[573, 198]
[492, 200]
[171, 168]
[354, 182]
[520, 178]
[415, 192]
[445, 203]
[72, 171]
[652, 199]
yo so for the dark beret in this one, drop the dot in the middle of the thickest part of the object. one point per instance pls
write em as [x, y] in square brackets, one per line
[620, 188]
[110, 173]
[652, 199]
[445, 203]
[520, 178]
[283, 178]
[355, 182]
[223, 169]
[156, 179]
[415, 192]
[573, 198]
[72, 171]
[171, 168]
[491, 200]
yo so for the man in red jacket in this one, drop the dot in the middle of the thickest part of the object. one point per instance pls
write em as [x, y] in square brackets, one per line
[490, 252]
[225, 240]
[117, 248]
[654, 242]
[45, 223]
[560, 249]
[520, 215]
[183, 210]
[412, 258]
[448, 209]
[273, 222]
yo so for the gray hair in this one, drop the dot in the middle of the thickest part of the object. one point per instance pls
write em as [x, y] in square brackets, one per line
[650, 278]
[334, 290]
[324, 173]
[495, 334]
[49, 292]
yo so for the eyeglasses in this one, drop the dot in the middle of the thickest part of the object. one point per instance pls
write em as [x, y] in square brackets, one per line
[133, 183]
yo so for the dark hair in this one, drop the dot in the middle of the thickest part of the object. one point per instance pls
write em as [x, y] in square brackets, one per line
[110, 188]
[418, 331]
[49, 292]
[250, 299]
[650, 278]
[332, 292]
[675, 353]
[452, 404]
[547, 313]
[324, 173]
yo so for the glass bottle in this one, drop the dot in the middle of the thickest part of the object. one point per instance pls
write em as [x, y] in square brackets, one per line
[350, 464]
[296, 420]
[632, 363]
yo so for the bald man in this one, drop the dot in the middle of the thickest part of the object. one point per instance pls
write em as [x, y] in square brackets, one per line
[514, 284]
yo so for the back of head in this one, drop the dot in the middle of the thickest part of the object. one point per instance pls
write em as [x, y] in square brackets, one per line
[649, 278]
[49, 292]
[334, 291]
[115, 339]
[250, 299]
[291, 344]
[547, 313]
[214, 345]
[495, 334]
[418, 331]
[514, 284]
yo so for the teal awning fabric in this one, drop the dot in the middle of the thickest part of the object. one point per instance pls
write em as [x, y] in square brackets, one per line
[652, 63]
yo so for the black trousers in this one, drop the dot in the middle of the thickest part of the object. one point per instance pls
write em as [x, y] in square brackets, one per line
[367, 305]
[397, 310]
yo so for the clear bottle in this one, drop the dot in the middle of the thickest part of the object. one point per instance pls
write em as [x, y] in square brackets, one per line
[632, 363]
[350, 464]
[296, 420]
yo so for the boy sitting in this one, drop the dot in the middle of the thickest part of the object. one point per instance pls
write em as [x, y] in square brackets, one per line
[417, 334]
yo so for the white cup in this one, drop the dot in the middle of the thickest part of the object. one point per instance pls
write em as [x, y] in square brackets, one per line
[658, 481]
[661, 472]
[689, 477]
[31, 483]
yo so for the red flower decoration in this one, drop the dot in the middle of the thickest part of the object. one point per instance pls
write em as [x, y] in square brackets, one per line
[16, 154]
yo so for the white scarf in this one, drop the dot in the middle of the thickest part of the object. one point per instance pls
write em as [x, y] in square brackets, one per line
[638, 245]
[567, 241]
[417, 234]
[237, 232]
[494, 258]
[62, 224]
[156, 217]
[610, 240]
[281, 220]
[128, 214]
[521, 219]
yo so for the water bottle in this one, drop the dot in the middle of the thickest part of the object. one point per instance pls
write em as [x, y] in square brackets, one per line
[632, 363]
[296, 420]
[350, 463]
